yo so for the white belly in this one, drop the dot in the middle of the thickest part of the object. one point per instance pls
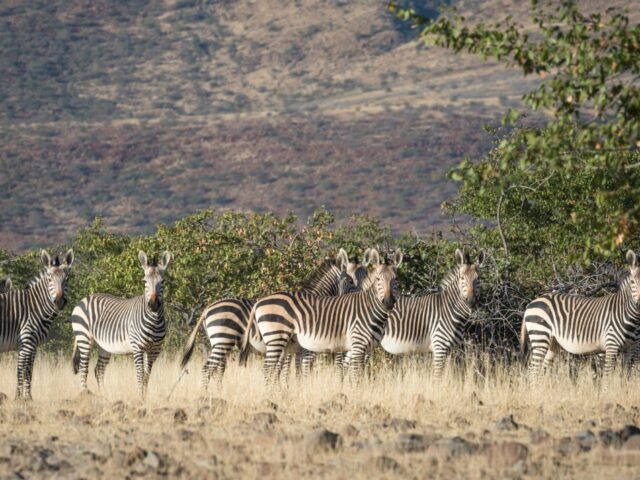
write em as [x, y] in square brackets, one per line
[323, 344]
[398, 347]
[116, 348]
[582, 348]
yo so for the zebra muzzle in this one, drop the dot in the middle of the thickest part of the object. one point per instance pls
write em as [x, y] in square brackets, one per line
[60, 302]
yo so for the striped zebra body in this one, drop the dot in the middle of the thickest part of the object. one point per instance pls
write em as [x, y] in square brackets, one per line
[226, 320]
[435, 322]
[351, 323]
[26, 316]
[584, 325]
[120, 326]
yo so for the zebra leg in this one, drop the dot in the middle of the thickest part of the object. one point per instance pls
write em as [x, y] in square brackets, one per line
[356, 355]
[439, 358]
[548, 358]
[101, 365]
[149, 360]
[216, 364]
[274, 356]
[283, 367]
[138, 360]
[26, 357]
[308, 360]
[611, 354]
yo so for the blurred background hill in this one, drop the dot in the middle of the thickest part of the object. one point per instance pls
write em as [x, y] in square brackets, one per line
[142, 112]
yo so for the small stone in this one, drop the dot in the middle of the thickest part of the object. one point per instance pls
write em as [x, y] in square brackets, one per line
[507, 423]
[506, 454]
[538, 435]
[265, 418]
[412, 442]
[586, 440]
[388, 464]
[323, 440]
[151, 460]
[632, 443]
[628, 431]
[180, 416]
[609, 438]
[401, 424]
[567, 446]
[455, 447]
[132, 457]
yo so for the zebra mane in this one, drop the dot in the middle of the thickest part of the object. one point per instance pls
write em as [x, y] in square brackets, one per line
[35, 280]
[449, 279]
[316, 277]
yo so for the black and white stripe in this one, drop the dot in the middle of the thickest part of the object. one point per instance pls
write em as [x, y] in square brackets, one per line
[435, 322]
[225, 321]
[583, 325]
[26, 315]
[351, 323]
[122, 326]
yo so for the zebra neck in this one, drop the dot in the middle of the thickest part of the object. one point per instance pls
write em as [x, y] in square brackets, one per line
[156, 317]
[631, 310]
[37, 293]
[451, 295]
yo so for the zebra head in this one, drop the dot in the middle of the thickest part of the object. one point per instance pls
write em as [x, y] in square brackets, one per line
[468, 276]
[57, 273]
[384, 276]
[5, 284]
[153, 275]
[346, 280]
[634, 275]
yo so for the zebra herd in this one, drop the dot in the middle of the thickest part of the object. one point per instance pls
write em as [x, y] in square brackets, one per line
[345, 307]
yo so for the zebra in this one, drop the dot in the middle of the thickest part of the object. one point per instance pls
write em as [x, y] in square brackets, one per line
[435, 322]
[5, 284]
[122, 326]
[225, 320]
[27, 314]
[353, 322]
[583, 325]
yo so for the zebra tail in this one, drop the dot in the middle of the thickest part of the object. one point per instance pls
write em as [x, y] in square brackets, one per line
[191, 342]
[244, 347]
[76, 358]
[523, 341]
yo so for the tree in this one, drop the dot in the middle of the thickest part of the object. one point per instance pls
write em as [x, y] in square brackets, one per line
[568, 181]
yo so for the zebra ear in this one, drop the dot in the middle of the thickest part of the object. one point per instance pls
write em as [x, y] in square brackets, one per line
[142, 257]
[5, 284]
[632, 259]
[480, 259]
[459, 256]
[45, 258]
[165, 261]
[374, 258]
[68, 257]
[366, 258]
[342, 260]
[397, 258]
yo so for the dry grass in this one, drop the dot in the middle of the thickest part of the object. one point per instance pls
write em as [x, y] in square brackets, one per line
[245, 429]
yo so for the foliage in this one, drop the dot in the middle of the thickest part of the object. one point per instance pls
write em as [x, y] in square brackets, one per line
[571, 184]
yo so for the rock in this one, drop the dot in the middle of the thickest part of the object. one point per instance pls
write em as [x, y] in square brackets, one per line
[133, 456]
[180, 416]
[350, 431]
[265, 418]
[506, 454]
[567, 446]
[64, 415]
[54, 462]
[151, 460]
[412, 442]
[632, 443]
[609, 438]
[401, 424]
[323, 440]
[330, 406]
[388, 464]
[628, 431]
[586, 440]
[461, 422]
[454, 447]
[507, 423]
[538, 435]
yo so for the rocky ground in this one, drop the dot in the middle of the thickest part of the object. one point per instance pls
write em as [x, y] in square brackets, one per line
[319, 428]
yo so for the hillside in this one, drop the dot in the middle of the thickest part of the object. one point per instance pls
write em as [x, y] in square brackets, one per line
[142, 112]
